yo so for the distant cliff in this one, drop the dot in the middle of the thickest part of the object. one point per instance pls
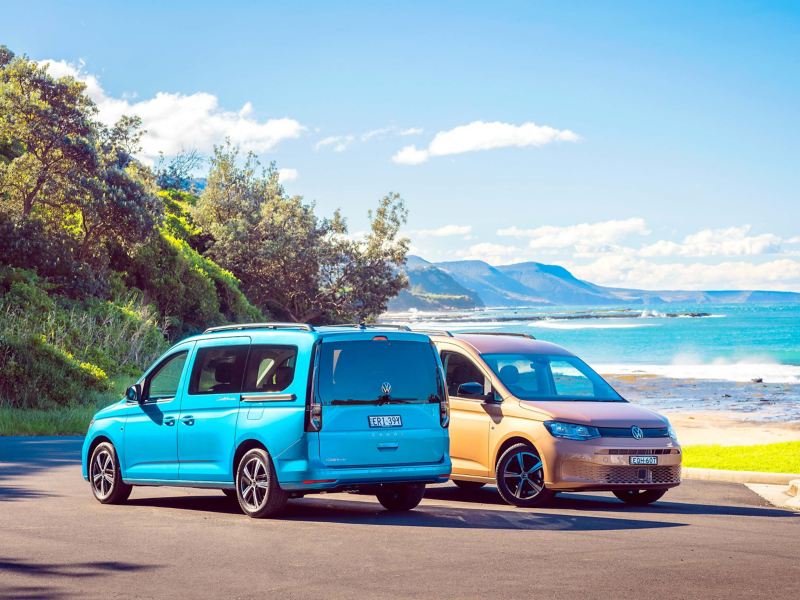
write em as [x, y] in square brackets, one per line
[473, 284]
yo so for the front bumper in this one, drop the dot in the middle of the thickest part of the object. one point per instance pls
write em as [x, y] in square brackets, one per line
[604, 464]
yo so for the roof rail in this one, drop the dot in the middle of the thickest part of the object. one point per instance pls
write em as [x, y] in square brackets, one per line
[432, 331]
[243, 326]
[525, 335]
[378, 325]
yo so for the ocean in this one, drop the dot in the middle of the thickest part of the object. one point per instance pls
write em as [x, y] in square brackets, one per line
[739, 358]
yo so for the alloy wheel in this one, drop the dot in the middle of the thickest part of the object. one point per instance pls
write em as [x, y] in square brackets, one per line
[524, 475]
[103, 471]
[254, 483]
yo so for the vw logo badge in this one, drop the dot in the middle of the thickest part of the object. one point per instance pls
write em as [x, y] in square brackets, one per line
[386, 388]
[637, 432]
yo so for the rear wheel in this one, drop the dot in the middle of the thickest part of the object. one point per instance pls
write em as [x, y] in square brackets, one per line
[639, 497]
[401, 497]
[105, 476]
[257, 486]
[520, 477]
[469, 486]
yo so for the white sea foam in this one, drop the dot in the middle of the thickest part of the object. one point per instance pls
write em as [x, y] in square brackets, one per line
[585, 324]
[722, 371]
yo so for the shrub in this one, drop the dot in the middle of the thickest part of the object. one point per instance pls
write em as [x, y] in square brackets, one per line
[37, 374]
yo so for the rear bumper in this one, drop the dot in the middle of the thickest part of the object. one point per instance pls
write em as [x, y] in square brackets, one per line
[605, 464]
[298, 477]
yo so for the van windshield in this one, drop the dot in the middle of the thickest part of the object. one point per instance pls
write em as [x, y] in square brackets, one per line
[378, 372]
[550, 377]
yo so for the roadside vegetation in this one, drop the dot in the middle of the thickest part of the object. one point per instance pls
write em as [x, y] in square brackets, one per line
[106, 261]
[782, 457]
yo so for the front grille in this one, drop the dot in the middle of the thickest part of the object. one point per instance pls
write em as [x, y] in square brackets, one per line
[626, 432]
[602, 474]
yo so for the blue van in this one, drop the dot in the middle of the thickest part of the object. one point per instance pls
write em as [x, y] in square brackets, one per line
[271, 411]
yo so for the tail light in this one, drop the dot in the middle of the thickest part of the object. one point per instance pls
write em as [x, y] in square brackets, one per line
[444, 410]
[314, 416]
[313, 405]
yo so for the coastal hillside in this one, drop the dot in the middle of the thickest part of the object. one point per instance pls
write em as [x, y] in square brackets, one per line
[539, 284]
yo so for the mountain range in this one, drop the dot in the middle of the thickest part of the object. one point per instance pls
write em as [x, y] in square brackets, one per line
[468, 284]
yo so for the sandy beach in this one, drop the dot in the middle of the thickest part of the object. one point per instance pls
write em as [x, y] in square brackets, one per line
[728, 413]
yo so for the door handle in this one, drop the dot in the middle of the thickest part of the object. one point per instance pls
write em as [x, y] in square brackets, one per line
[388, 446]
[188, 420]
[169, 421]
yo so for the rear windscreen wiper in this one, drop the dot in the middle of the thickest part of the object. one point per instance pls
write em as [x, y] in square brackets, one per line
[379, 401]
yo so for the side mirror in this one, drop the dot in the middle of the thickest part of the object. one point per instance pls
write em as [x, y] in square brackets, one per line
[134, 393]
[472, 388]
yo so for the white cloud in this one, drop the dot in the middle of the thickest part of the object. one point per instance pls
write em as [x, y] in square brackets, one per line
[174, 122]
[627, 271]
[446, 231]
[411, 131]
[482, 135]
[733, 241]
[494, 254]
[584, 238]
[339, 142]
[287, 174]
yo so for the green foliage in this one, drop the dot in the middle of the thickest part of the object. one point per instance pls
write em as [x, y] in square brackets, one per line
[289, 261]
[37, 374]
[58, 420]
[120, 336]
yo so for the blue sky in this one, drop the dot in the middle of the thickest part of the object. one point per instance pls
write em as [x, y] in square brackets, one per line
[642, 144]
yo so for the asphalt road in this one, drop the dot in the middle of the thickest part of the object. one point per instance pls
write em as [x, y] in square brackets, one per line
[705, 540]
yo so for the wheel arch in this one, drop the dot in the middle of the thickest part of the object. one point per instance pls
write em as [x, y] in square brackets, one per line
[510, 440]
[242, 448]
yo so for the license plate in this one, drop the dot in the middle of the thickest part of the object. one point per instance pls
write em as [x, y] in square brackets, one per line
[643, 460]
[386, 421]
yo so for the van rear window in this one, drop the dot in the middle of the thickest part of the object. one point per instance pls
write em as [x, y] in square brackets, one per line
[378, 370]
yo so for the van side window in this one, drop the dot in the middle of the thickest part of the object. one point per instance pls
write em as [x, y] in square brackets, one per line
[270, 368]
[218, 370]
[164, 380]
[460, 369]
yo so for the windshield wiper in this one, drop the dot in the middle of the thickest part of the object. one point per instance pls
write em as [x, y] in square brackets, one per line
[380, 401]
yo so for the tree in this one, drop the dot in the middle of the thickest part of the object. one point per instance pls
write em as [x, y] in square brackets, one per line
[49, 121]
[290, 262]
[176, 173]
[59, 166]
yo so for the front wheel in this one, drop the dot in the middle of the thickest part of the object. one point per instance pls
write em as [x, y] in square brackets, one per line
[257, 487]
[401, 497]
[639, 497]
[520, 477]
[105, 475]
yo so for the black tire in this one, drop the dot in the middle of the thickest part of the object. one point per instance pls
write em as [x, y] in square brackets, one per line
[105, 477]
[401, 497]
[639, 497]
[520, 477]
[230, 494]
[257, 487]
[469, 486]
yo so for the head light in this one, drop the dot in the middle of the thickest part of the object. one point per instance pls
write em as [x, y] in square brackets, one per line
[671, 432]
[571, 431]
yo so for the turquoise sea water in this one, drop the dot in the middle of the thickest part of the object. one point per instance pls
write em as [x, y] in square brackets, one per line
[736, 342]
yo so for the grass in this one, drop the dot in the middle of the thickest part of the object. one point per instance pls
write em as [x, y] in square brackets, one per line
[783, 457]
[65, 420]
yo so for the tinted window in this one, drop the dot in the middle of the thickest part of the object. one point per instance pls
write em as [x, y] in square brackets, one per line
[358, 370]
[460, 369]
[270, 368]
[164, 380]
[218, 370]
[550, 377]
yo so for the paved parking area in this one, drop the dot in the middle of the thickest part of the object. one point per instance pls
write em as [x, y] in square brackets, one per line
[705, 540]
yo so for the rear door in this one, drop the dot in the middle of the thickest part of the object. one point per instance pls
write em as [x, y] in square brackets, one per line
[210, 407]
[380, 401]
